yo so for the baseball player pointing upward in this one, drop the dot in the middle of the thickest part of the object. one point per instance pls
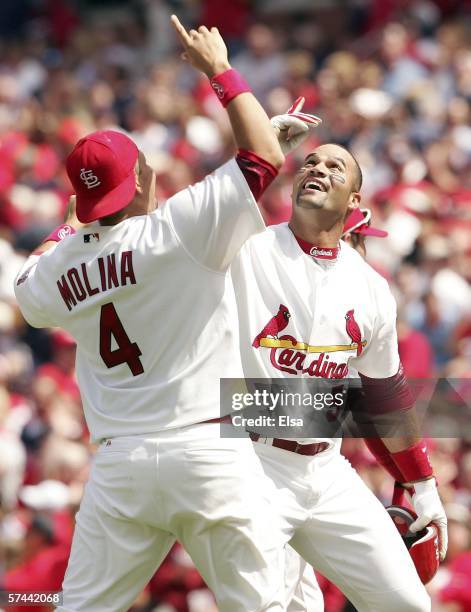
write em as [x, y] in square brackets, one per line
[342, 316]
[145, 293]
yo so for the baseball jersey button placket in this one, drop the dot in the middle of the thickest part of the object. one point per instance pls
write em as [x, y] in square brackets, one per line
[318, 316]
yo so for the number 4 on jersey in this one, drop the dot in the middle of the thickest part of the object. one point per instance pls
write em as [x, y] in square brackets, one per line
[127, 351]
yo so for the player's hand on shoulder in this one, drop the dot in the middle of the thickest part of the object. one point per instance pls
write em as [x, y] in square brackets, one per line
[70, 216]
[429, 509]
[204, 49]
[293, 127]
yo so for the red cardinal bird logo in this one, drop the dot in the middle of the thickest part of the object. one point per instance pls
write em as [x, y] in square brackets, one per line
[353, 330]
[274, 325]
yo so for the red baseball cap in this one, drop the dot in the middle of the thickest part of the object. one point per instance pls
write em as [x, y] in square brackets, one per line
[358, 222]
[101, 170]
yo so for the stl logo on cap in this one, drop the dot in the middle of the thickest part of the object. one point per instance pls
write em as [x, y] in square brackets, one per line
[90, 179]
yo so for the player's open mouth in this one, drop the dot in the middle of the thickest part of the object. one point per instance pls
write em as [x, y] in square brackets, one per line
[312, 185]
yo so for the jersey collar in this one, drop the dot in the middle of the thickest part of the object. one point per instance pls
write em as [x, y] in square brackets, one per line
[322, 253]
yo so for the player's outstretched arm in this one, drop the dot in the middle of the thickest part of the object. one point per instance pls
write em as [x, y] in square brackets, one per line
[29, 286]
[206, 51]
[70, 225]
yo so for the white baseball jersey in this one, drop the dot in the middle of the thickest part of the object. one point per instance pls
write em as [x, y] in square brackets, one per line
[151, 306]
[312, 318]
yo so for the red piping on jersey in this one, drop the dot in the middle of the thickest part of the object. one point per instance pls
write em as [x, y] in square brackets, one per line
[258, 173]
[317, 252]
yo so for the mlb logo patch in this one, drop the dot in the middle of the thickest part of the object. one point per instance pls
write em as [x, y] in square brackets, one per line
[24, 276]
[95, 237]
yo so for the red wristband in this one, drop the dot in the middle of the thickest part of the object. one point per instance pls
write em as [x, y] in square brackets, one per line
[60, 233]
[414, 462]
[228, 85]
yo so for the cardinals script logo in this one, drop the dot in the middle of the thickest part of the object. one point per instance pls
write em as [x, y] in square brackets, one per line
[291, 356]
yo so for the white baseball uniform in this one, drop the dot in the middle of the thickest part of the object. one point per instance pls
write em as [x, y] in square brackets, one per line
[335, 305]
[151, 306]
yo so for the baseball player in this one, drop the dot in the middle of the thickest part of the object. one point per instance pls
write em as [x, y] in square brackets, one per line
[303, 591]
[300, 579]
[145, 292]
[310, 306]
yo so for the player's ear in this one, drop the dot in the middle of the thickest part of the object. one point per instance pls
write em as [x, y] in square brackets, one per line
[138, 175]
[354, 201]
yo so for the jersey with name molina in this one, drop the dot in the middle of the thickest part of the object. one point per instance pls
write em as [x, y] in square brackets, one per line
[303, 316]
[150, 304]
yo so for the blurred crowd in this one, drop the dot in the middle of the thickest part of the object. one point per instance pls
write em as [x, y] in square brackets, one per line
[391, 81]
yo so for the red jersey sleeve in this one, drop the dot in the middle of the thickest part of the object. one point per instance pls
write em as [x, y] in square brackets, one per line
[258, 173]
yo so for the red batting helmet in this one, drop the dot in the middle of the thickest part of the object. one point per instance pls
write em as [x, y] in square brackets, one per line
[423, 546]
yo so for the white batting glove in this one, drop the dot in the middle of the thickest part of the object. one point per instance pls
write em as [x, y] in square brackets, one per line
[428, 506]
[293, 127]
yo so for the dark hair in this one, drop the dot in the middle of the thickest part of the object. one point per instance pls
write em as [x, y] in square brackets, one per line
[114, 218]
[359, 174]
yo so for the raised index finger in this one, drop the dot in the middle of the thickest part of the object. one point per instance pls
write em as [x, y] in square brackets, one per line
[180, 30]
